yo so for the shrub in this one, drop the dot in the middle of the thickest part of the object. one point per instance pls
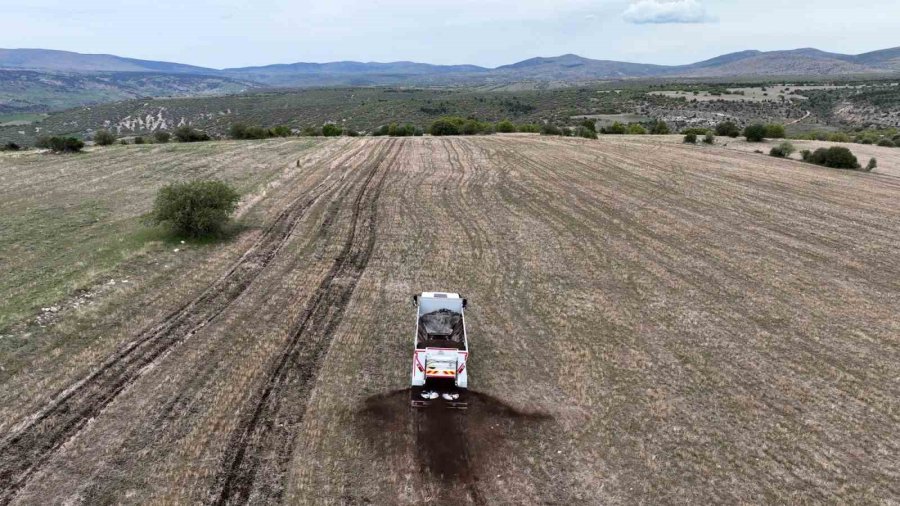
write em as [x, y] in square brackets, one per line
[506, 127]
[806, 155]
[837, 157]
[104, 138]
[331, 130]
[138, 140]
[896, 139]
[775, 131]
[162, 137]
[11, 146]
[690, 138]
[349, 132]
[530, 128]
[311, 132]
[60, 144]
[783, 150]
[636, 129]
[549, 129]
[444, 126]
[696, 131]
[709, 139]
[659, 128]
[195, 208]
[728, 129]
[755, 132]
[615, 129]
[585, 132]
[873, 163]
[589, 124]
[280, 131]
[837, 137]
[189, 134]
[886, 143]
[866, 140]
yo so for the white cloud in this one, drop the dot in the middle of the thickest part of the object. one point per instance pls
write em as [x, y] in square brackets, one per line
[666, 11]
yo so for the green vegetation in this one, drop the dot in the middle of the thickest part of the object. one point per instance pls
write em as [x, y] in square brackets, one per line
[690, 138]
[636, 129]
[615, 129]
[728, 129]
[162, 137]
[873, 163]
[242, 131]
[696, 131]
[195, 208]
[886, 143]
[837, 157]
[104, 138]
[505, 127]
[454, 125]
[659, 128]
[783, 150]
[189, 134]
[774, 131]
[331, 130]
[709, 139]
[61, 144]
[10, 146]
[755, 132]
[585, 132]
[529, 128]
[550, 129]
[139, 140]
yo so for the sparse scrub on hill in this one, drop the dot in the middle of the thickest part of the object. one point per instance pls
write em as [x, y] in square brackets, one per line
[690, 138]
[60, 144]
[195, 208]
[783, 150]
[189, 134]
[162, 137]
[755, 132]
[728, 129]
[659, 128]
[104, 138]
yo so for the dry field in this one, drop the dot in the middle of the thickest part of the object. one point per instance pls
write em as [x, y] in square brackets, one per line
[649, 323]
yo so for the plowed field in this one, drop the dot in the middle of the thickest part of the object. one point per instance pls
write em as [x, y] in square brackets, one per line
[649, 322]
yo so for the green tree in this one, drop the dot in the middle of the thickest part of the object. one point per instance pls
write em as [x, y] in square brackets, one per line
[755, 132]
[104, 138]
[60, 144]
[281, 131]
[589, 124]
[728, 129]
[837, 157]
[709, 139]
[775, 131]
[331, 130]
[195, 208]
[659, 128]
[616, 128]
[636, 129]
[162, 137]
[506, 127]
[690, 138]
[189, 134]
[783, 150]
[550, 129]
[444, 126]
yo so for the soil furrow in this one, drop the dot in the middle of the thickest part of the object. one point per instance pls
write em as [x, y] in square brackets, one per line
[269, 429]
[42, 434]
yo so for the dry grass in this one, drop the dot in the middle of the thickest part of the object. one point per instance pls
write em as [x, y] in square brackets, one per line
[702, 324]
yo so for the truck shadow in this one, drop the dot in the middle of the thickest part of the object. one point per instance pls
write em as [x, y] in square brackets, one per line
[452, 446]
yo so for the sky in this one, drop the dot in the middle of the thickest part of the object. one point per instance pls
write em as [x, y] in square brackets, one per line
[237, 33]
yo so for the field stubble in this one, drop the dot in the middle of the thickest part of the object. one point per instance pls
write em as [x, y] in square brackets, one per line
[649, 322]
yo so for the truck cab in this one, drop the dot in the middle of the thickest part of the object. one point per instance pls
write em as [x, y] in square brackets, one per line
[441, 349]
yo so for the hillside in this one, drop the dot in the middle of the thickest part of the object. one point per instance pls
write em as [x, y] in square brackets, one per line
[649, 323]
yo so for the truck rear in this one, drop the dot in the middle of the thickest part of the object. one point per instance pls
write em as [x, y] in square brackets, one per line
[441, 349]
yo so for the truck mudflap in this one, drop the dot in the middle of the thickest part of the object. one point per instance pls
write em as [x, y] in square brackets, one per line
[431, 397]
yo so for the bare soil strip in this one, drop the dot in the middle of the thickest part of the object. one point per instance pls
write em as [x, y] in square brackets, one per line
[22, 453]
[278, 406]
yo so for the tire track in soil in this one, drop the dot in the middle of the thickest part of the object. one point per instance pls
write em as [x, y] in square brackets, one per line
[265, 437]
[23, 452]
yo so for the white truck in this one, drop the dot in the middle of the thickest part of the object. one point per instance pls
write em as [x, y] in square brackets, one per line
[441, 348]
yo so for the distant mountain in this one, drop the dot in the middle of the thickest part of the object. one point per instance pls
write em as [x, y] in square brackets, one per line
[65, 72]
[66, 61]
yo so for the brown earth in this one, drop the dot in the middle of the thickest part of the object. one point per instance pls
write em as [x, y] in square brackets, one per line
[649, 322]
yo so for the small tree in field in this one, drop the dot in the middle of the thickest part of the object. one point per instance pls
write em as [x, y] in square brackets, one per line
[775, 131]
[104, 138]
[331, 130]
[506, 127]
[188, 134]
[690, 138]
[728, 129]
[195, 208]
[755, 132]
[659, 128]
[162, 137]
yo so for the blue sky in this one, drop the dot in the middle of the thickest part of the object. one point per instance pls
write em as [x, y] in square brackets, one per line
[231, 33]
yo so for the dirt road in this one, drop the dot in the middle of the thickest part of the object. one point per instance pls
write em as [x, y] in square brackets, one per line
[650, 322]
